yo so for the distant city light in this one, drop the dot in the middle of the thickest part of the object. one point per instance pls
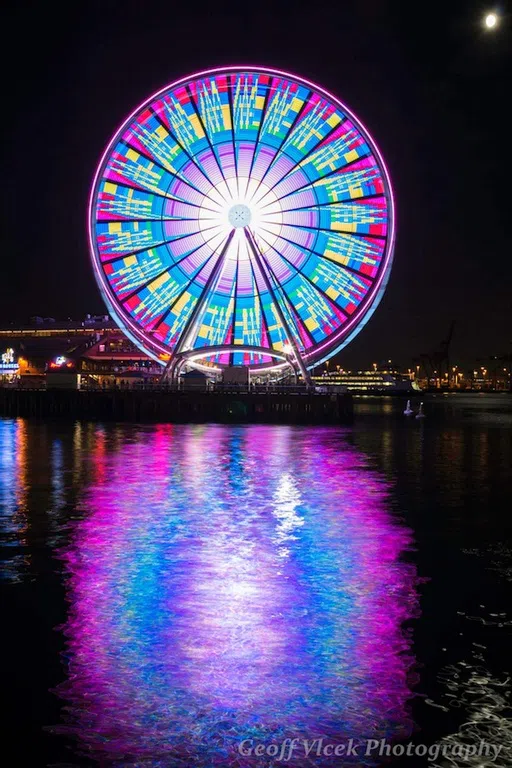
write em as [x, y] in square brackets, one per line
[8, 356]
[491, 20]
[7, 364]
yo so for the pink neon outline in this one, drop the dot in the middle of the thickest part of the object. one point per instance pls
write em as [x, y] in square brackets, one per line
[364, 310]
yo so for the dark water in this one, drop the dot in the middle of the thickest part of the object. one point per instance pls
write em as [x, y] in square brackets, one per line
[179, 595]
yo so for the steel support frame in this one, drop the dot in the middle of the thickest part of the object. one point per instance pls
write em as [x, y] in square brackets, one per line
[170, 368]
[182, 354]
[291, 340]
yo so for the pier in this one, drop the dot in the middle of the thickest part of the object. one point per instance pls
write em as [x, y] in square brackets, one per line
[175, 406]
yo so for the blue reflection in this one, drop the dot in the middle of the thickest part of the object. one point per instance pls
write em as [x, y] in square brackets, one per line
[231, 583]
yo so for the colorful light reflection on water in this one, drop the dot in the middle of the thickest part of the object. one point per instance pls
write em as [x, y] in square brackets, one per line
[231, 583]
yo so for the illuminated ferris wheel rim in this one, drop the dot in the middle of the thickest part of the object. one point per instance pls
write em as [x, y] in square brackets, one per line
[158, 351]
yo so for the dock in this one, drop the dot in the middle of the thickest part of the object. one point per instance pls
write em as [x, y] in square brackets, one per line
[178, 406]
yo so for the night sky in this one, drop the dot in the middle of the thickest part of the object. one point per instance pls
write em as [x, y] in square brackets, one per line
[427, 80]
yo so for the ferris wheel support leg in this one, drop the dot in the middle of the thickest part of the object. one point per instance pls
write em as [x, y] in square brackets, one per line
[179, 368]
[172, 369]
[169, 373]
[176, 369]
[165, 373]
[259, 260]
[185, 340]
[295, 373]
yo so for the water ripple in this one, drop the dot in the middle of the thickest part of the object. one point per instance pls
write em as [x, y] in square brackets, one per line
[231, 583]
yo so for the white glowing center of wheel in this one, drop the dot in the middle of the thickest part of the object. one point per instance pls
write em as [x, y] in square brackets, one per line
[236, 204]
[239, 215]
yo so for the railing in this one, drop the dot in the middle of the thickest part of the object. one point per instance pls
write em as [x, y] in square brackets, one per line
[239, 389]
[206, 388]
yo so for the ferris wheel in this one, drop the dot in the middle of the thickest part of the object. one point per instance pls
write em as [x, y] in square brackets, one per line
[241, 216]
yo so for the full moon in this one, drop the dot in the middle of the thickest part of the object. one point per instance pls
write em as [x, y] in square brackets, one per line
[491, 20]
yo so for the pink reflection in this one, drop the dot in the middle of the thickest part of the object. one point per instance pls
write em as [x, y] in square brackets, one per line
[232, 583]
